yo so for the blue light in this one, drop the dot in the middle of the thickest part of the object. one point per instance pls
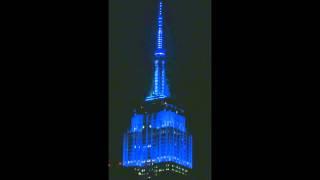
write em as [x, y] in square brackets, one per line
[175, 146]
[154, 97]
[166, 119]
[136, 123]
[160, 24]
[158, 136]
[160, 88]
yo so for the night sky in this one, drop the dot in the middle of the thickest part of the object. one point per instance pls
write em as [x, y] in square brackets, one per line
[132, 26]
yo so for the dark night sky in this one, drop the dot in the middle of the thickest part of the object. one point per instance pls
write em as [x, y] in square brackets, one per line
[132, 35]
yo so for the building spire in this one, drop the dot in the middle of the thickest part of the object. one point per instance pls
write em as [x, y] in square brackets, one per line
[160, 88]
[160, 30]
[159, 44]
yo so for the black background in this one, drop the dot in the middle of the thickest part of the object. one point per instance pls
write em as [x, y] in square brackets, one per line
[55, 81]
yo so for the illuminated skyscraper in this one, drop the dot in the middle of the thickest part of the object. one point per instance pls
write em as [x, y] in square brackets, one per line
[157, 143]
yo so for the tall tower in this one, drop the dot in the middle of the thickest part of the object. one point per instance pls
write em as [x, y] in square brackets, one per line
[157, 143]
[160, 89]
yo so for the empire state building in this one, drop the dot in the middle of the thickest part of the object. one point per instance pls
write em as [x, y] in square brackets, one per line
[157, 143]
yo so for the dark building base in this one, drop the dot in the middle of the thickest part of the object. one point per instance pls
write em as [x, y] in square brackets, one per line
[167, 170]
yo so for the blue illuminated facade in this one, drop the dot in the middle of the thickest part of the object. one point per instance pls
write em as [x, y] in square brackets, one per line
[158, 135]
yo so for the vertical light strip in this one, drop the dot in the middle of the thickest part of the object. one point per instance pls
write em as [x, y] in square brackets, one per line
[156, 78]
[163, 79]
